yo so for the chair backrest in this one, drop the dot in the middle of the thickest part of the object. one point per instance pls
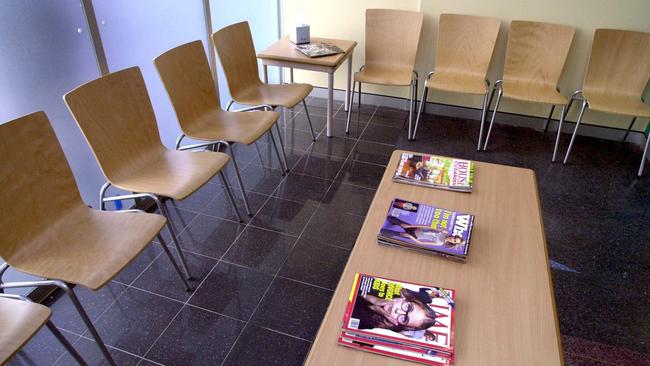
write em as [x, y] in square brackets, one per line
[36, 185]
[466, 43]
[185, 72]
[619, 62]
[392, 36]
[537, 52]
[19, 321]
[234, 45]
[115, 116]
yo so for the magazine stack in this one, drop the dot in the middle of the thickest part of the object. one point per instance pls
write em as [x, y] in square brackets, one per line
[400, 319]
[435, 172]
[427, 229]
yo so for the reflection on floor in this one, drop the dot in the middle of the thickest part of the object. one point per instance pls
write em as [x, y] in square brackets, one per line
[262, 287]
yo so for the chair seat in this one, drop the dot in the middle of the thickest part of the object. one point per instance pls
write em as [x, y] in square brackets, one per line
[603, 101]
[458, 82]
[171, 173]
[532, 92]
[242, 127]
[385, 75]
[19, 321]
[284, 95]
[102, 243]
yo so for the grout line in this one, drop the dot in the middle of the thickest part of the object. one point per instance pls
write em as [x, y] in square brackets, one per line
[303, 282]
[286, 334]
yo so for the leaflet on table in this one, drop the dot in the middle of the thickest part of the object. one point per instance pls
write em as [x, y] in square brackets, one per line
[400, 311]
[435, 171]
[428, 227]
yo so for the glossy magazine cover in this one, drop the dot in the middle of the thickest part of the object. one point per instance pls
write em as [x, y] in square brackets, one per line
[428, 227]
[409, 313]
[436, 171]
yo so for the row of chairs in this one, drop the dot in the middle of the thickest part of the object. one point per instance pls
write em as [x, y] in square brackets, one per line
[49, 231]
[617, 72]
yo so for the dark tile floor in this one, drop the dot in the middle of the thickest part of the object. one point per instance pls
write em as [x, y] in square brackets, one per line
[263, 286]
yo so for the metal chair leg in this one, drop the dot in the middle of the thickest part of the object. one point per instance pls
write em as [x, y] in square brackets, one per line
[229, 105]
[311, 128]
[423, 103]
[188, 288]
[645, 152]
[411, 95]
[172, 232]
[575, 130]
[239, 180]
[277, 152]
[359, 109]
[231, 198]
[68, 347]
[629, 129]
[548, 119]
[284, 154]
[88, 323]
[347, 124]
[563, 113]
[483, 117]
[494, 113]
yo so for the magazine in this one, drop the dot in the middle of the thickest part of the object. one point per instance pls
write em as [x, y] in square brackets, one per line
[420, 316]
[427, 228]
[435, 171]
[395, 352]
[318, 49]
[377, 341]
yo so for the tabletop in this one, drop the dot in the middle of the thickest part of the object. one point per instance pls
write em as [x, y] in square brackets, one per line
[505, 306]
[285, 50]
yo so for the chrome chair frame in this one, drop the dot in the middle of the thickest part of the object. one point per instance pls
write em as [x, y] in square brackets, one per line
[75, 301]
[413, 100]
[423, 102]
[583, 108]
[68, 347]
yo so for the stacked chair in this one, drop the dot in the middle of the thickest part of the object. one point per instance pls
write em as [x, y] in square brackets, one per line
[234, 45]
[535, 57]
[392, 38]
[617, 74]
[185, 72]
[465, 48]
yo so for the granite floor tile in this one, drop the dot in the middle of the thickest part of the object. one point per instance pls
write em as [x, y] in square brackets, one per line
[196, 337]
[135, 320]
[284, 216]
[139, 264]
[334, 227]
[93, 356]
[400, 122]
[315, 263]
[270, 158]
[199, 199]
[179, 220]
[361, 174]
[348, 198]
[261, 180]
[232, 290]
[161, 277]
[270, 348]
[371, 152]
[318, 165]
[302, 188]
[221, 207]
[209, 236]
[333, 146]
[260, 249]
[296, 139]
[382, 134]
[300, 122]
[363, 115]
[65, 315]
[293, 308]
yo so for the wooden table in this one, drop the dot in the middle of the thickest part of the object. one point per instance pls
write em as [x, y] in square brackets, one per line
[505, 307]
[283, 53]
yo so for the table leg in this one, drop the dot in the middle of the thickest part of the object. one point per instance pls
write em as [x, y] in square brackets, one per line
[330, 101]
[265, 74]
[348, 102]
[291, 75]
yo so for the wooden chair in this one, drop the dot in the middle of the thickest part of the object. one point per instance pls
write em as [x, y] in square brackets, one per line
[617, 73]
[185, 72]
[48, 231]
[234, 45]
[463, 55]
[535, 57]
[115, 116]
[392, 38]
[20, 320]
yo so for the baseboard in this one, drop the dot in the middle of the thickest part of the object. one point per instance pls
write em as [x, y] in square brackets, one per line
[586, 129]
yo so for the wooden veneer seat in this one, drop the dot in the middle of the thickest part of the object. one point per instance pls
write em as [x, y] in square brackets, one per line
[463, 54]
[617, 74]
[392, 38]
[535, 57]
